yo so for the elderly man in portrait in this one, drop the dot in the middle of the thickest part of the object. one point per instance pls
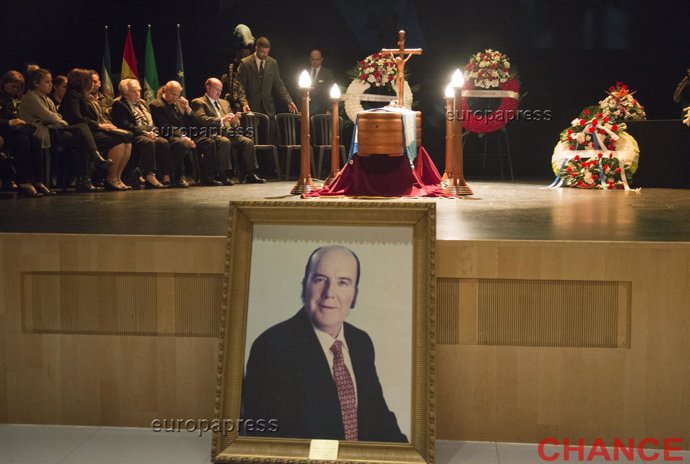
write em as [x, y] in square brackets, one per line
[216, 115]
[314, 374]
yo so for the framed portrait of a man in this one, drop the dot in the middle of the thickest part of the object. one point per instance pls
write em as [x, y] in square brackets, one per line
[327, 333]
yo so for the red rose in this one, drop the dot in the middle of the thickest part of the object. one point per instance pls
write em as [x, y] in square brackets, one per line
[610, 155]
[592, 129]
[577, 158]
[585, 112]
[582, 122]
[574, 174]
[602, 131]
[595, 177]
[605, 167]
[569, 169]
[600, 155]
[600, 115]
[618, 170]
[606, 120]
[571, 147]
[595, 122]
[614, 128]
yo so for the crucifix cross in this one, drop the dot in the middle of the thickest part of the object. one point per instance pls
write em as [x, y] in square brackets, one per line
[400, 61]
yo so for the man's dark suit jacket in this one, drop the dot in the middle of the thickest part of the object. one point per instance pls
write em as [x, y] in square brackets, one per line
[320, 93]
[288, 379]
[170, 121]
[259, 91]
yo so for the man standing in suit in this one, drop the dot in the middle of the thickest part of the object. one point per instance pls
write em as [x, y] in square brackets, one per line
[173, 117]
[260, 77]
[313, 375]
[321, 82]
[216, 115]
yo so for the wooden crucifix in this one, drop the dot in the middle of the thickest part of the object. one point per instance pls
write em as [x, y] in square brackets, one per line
[400, 61]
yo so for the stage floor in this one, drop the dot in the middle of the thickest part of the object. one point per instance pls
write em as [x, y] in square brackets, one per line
[497, 211]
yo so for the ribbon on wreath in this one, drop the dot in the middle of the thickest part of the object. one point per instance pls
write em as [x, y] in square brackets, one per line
[594, 126]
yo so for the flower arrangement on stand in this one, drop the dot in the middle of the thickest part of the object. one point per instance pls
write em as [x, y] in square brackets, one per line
[488, 75]
[373, 80]
[488, 69]
[620, 105]
[376, 69]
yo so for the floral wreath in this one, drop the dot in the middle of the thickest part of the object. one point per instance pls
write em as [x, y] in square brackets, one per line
[374, 71]
[620, 105]
[487, 70]
[592, 130]
[595, 152]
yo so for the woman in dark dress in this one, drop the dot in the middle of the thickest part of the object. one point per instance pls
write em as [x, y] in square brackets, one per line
[20, 140]
[79, 106]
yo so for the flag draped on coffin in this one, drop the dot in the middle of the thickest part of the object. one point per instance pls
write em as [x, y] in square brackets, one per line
[179, 64]
[106, 72]
[150, 71]
[129, 62]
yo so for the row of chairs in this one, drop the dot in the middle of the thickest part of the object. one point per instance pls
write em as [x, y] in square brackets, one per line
[287, 126]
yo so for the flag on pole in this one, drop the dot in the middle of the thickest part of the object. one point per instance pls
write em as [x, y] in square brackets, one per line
[150, 71]
[106, 72]
[129, 62]
[178, 63]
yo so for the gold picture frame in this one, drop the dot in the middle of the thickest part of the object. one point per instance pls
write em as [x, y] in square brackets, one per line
[270, 232]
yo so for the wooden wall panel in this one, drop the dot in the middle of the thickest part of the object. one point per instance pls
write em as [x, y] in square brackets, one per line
[484, 392]
[108, 330]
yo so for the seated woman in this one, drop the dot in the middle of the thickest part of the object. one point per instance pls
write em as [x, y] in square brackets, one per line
[20, 140]
[149, 151]
[78, 106]
[39, 110]
[59, 89]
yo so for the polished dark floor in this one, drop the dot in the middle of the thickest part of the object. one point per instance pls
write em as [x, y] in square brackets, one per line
[497, 211]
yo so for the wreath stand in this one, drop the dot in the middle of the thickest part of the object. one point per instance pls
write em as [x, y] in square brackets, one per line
[501, 143]
[494, 128]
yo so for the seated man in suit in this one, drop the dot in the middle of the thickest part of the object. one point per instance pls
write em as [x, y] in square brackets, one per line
[216, 115]
[174, 119]
[313, 375]
[321, 82]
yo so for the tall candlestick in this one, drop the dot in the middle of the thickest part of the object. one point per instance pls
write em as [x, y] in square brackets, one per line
[456, 184]
[304, 182]
[335, 137]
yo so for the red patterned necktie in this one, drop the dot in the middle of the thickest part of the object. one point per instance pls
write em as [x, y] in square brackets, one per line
[346, 391]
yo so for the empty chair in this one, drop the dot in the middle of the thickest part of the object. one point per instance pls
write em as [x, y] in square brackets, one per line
[259, 126]
[288, 129]
[321, 132]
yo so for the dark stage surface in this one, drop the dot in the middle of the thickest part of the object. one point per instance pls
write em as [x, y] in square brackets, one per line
[497, 211]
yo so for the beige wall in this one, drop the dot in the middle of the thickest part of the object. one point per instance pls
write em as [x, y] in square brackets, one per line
[139, 341]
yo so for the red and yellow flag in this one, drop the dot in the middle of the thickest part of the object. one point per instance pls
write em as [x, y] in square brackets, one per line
[129, 62]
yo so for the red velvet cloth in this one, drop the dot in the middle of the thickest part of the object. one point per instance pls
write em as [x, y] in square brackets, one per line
[386, 176]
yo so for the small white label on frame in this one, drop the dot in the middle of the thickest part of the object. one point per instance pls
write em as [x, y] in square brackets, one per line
[323, 450]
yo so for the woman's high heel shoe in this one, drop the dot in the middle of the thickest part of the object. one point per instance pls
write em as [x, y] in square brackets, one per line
[113, 186]
[99, 160]
[28, 191]
[41, 188]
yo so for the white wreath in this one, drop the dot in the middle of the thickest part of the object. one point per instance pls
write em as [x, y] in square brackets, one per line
[627, 151]
[355, 95]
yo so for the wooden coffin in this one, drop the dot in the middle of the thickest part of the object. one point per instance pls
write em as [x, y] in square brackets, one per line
[382, 133]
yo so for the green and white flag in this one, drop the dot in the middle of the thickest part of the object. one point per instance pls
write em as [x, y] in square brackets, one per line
[150, 72]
